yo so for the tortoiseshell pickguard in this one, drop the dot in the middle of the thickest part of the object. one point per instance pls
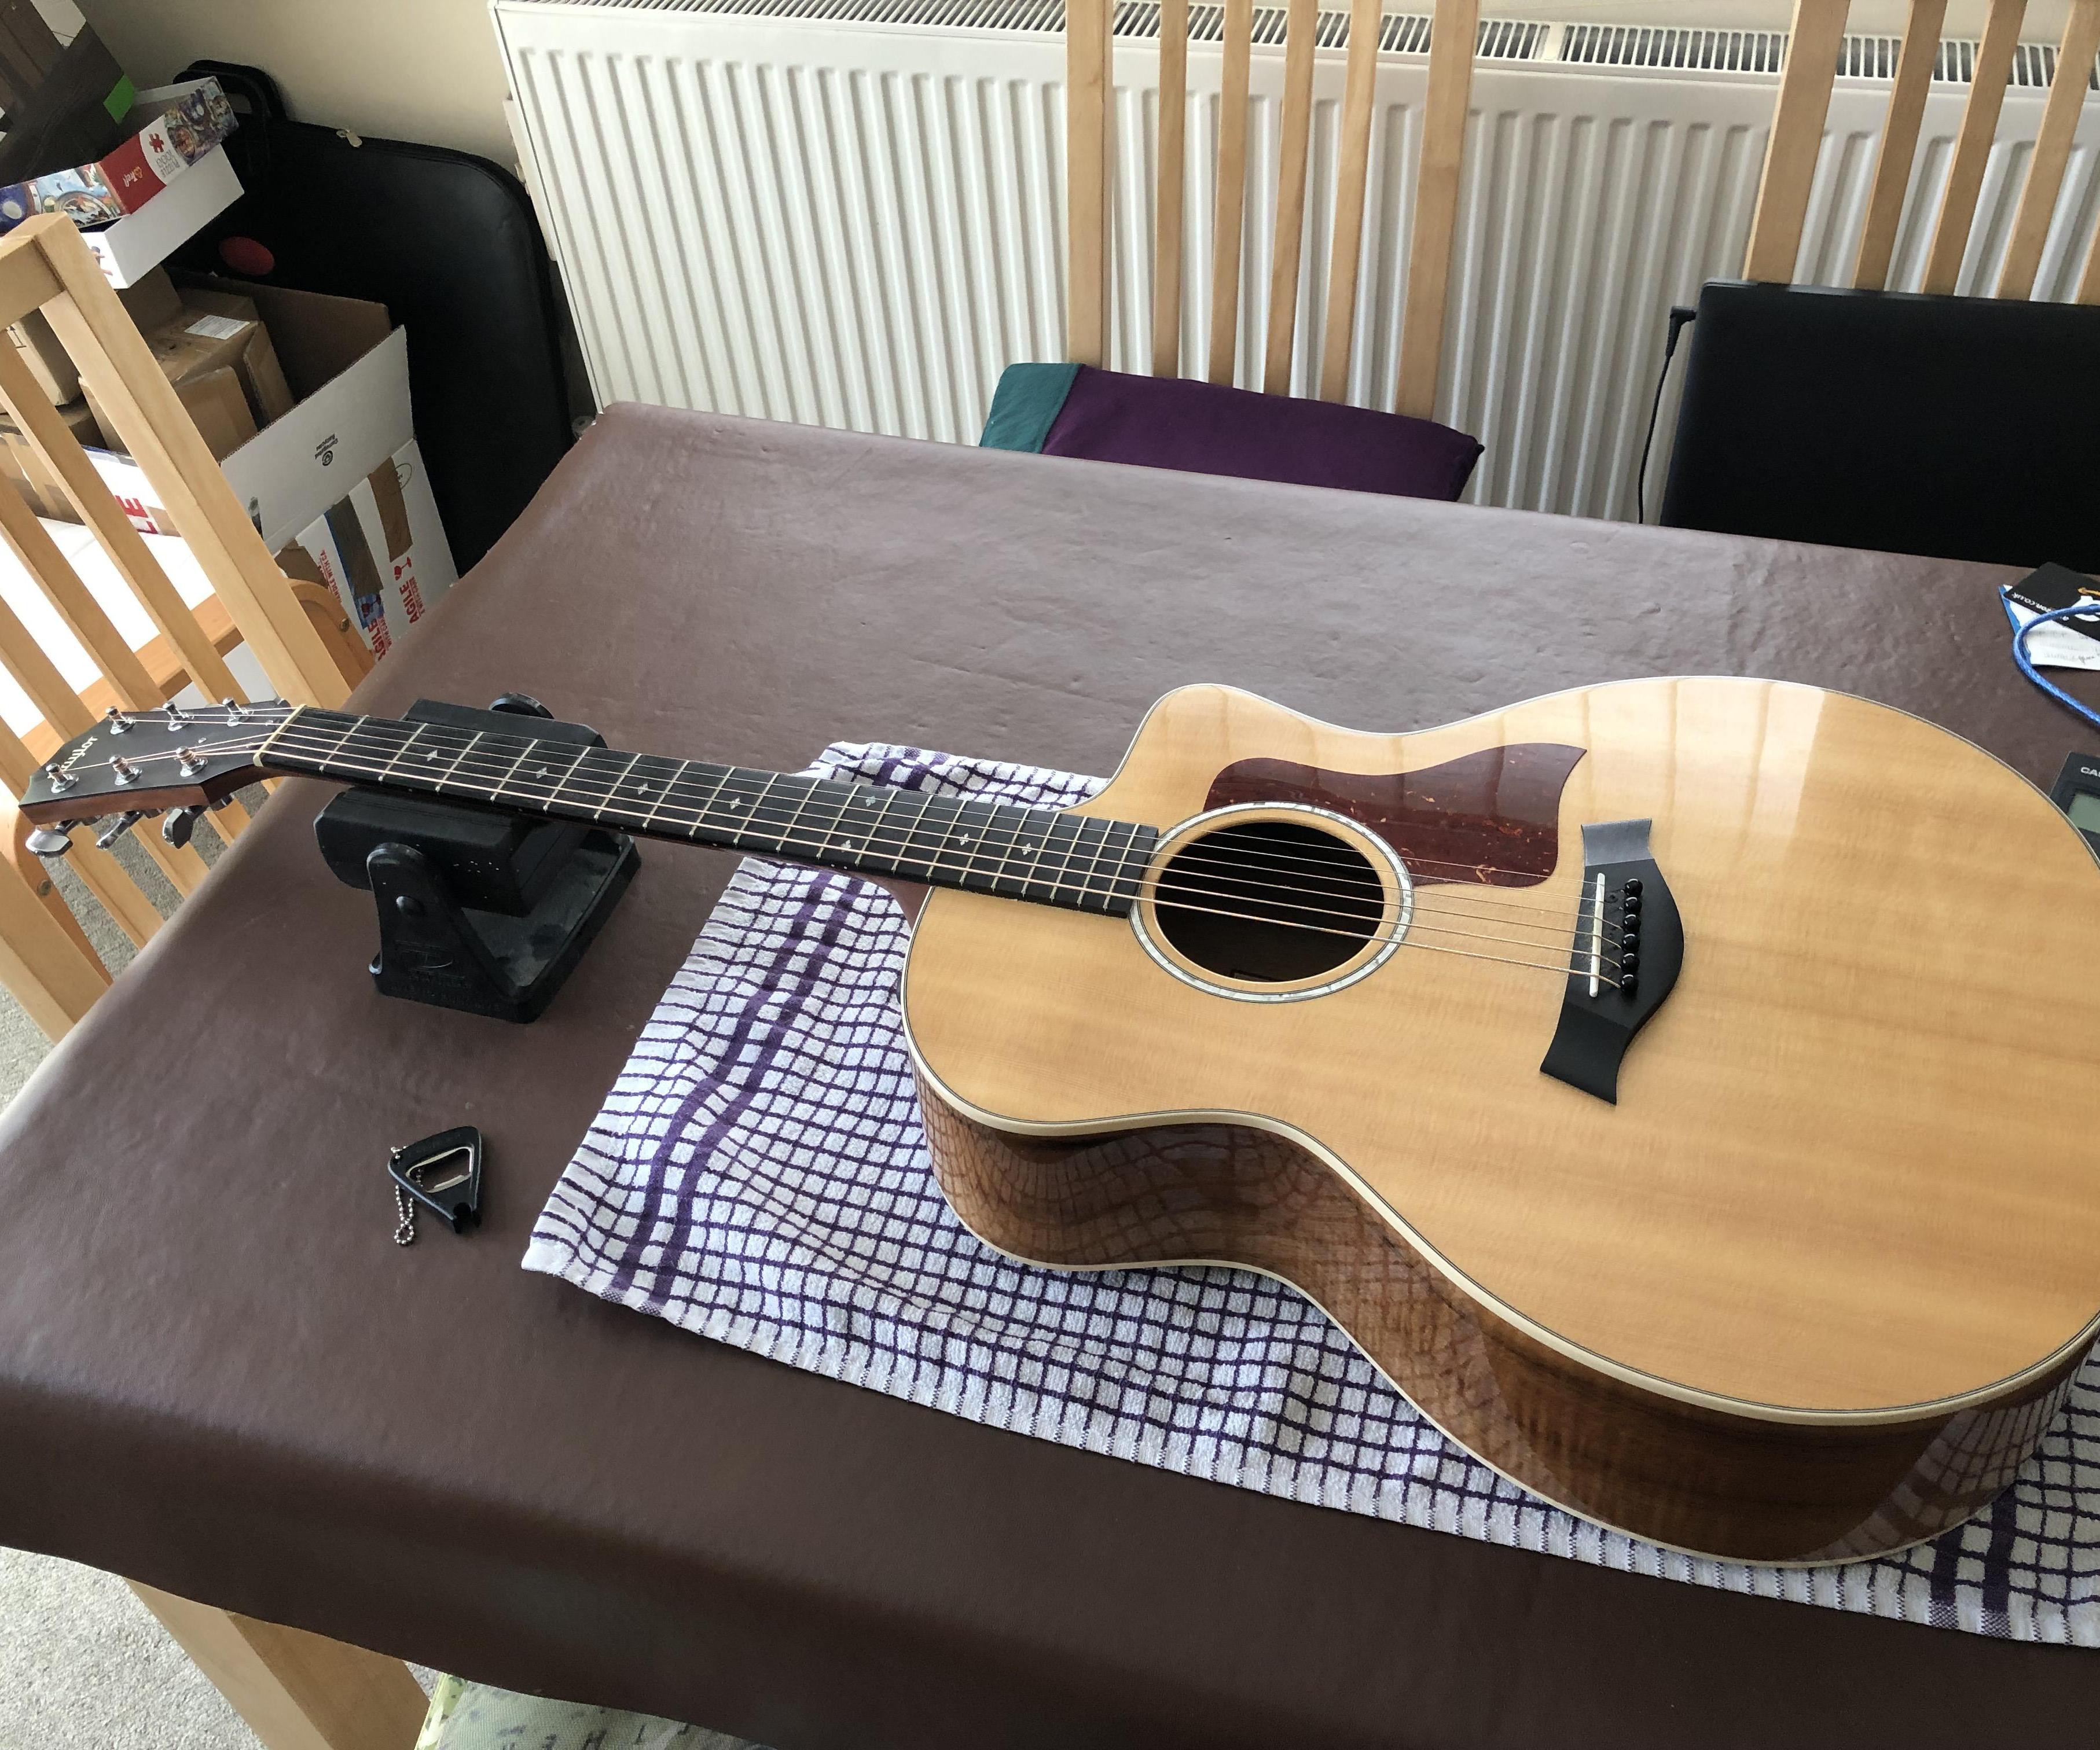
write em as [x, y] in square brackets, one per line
[1490, 817]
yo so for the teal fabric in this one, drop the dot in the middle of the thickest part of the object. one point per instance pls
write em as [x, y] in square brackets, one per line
[1026, 403]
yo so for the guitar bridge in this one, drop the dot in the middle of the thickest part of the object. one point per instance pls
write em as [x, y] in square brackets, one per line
[1629, 944]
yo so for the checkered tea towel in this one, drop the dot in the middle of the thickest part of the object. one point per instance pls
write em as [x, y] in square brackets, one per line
[758, 1175]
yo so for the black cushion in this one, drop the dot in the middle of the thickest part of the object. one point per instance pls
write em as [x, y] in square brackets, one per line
[1962, 428]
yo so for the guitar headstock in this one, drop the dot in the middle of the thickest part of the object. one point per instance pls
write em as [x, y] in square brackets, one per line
[138, 763]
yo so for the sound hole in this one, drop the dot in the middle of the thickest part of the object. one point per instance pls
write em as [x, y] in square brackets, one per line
[1270, 901]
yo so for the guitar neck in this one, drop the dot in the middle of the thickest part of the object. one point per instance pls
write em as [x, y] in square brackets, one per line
[1044, 856]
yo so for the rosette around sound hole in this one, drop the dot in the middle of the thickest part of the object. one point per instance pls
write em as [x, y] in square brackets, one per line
[1268, 902]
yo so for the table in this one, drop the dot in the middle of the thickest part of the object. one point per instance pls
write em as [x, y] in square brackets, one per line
[218, 1375]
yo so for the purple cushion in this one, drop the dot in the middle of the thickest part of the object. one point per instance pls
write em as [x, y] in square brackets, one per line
[1203, 428]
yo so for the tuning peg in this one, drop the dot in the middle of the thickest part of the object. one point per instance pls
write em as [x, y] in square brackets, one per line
[118, 826]
[57, 779]
[188, 761]
[180, 823]
[49, 841]
[118, 723]
[123, 771]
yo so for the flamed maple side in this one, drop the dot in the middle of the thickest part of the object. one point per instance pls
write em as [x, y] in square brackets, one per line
[1662, 1082]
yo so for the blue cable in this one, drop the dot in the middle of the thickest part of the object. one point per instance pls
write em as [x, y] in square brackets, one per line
[2027, 663]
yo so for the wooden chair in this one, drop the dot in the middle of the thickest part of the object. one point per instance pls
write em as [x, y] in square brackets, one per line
[1212, 428]
[302, 640]
[1918, 422]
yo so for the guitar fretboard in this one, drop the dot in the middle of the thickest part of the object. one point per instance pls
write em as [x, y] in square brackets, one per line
[1041, 855]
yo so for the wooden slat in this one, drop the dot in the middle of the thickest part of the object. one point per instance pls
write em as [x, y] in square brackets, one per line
[1813, 47]
[161, 663]
[84, 617]
[1455, 28]
[42, 962]
[114, 888]
[30, 867]
[1225, 228]
[1351, 180]
[1170, 196]
[1898, 146]
[98, 508]
[117, 366]
[2052, 151]
[2089, 280]
[1972, 145]
[1302, 25]
[1086, 179]
[26, 279]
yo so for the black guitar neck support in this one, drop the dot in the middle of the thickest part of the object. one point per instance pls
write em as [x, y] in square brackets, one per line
[479, 910]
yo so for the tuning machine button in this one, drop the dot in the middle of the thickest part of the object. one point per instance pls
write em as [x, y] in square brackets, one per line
[117, 827]
[180, 824]
[49, 841]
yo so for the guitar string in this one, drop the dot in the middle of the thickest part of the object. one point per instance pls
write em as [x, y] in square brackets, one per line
[1558, 918]
[1451, 862]
[1580, 963]
[788, 838]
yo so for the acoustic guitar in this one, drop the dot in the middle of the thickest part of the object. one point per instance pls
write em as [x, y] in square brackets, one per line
[1664, 1083]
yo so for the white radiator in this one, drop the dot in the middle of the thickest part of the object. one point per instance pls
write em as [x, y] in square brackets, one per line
[849, 212]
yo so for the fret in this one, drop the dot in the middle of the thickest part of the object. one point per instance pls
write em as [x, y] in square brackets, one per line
[386, 771]
[1045, 847]
[1091, 834]
[935, 831]
[859, 828]
[716, 778]
[540, 753]
[613, 788]
[496, 791]
[903, 857]
[1000, 834]
[825, 836]
[975, 866]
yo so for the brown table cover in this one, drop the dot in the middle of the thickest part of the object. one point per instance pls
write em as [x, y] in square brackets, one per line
[219, 1375]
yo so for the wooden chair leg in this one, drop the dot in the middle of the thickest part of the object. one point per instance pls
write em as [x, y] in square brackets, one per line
[296, 1690]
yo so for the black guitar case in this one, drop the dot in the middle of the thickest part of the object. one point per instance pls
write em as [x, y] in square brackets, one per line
[448, 243]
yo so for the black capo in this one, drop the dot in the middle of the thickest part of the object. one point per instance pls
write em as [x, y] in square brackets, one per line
[442, 1173]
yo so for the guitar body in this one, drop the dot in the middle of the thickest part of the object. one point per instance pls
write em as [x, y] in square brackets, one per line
[1790, 1255]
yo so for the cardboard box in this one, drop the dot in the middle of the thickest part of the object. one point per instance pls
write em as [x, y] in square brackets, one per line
[153, 300]
[215, 402]
[175, 127]
[212, 331]
[339, 476]
[363, 546]
[134, 245]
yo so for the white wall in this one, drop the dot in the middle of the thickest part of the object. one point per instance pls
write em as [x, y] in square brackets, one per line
[428, 69]
[423, 70]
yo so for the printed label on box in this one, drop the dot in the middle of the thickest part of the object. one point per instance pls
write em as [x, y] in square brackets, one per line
[216, 327]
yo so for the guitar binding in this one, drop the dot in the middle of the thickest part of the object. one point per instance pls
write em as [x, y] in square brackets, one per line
[1623, 963]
